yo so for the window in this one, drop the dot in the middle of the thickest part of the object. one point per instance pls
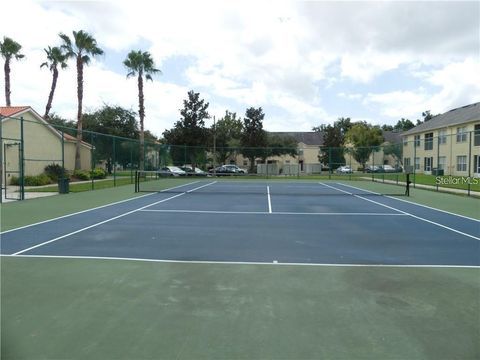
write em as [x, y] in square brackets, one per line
[417, 140]
[461, 134]
[442, 136]
[428, 164]
[462, 163]
[428, 141]
[417, 163]
[476, 135]
[405, 141]
[406, 161]
[442, 160]
[245, 162]
[476, 164]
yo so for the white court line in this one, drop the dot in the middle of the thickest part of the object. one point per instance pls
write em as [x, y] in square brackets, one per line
[274, 262]
[407, 213]
[268, 213]
[414, 203]
[92, 209]
[97, 224]
[269, 200]
[192, 190]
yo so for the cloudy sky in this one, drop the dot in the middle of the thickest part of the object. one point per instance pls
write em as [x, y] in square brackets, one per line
[304, 62]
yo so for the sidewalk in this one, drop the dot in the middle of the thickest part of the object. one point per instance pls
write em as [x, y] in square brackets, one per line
[13, 193]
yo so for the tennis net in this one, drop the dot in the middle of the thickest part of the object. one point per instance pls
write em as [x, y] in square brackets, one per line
[155, 181]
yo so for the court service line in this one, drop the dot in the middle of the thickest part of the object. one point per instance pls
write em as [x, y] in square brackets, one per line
[192, 190]
[414, 203]
[269, 200]
[272, 263]
[407, 213]
[267, 213]
[92, 209]
[97, 224]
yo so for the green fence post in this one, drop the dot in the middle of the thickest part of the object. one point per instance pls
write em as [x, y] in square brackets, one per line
[22, 158]
[469, 163]
[114, 167]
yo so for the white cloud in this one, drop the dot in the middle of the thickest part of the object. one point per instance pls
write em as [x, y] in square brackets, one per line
[284, 56]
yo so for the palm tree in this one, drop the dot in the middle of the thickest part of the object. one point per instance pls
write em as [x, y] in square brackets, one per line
[82, 47]
[140, 64]
[55, 57]
[9, 49]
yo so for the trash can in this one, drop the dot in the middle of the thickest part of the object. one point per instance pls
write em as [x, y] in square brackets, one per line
[437, 172]
[64, 186]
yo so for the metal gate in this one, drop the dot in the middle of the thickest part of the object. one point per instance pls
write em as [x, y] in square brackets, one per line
[13, 184]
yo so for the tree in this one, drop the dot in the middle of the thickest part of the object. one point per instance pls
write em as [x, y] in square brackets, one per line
[62, 124]
[332, 150]
[9, 49]
[55, 58]
[387, 127]
[140, 64]
[403, 125]
[365, 138]
[278, 145]
[427, 116]
[189, 131]
[394, 150]
[253, 139]
[115, 121]
[82, 47]
[227, 132]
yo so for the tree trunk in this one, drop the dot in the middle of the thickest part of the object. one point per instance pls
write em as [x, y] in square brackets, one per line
[78, 163]
[52, 91]
[7, 82]
[141, 113]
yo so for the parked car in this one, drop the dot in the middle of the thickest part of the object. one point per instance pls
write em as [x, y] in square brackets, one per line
[235, 169]
[388, 169]
[190, 172]
[373, 169]
[172, 171]
[344, 170]
[227, 170]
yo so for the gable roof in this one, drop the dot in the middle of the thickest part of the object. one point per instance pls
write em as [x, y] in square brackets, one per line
[393, 137]
[308, 138]
[456, 116]
[10, 111]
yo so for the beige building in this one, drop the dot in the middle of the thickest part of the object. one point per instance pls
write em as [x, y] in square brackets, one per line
[42, 144]
[449, 143]
[306, 162]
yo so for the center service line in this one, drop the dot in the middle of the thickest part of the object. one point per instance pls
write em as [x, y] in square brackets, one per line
[269, 200]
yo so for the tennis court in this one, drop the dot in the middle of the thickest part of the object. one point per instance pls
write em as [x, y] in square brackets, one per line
[245, 269]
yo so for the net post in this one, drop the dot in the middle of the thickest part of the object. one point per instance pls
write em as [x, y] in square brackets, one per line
[136, 181]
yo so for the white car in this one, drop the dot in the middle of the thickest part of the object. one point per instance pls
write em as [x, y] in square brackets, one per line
[344, 170]
[388, 168]
[172, 171]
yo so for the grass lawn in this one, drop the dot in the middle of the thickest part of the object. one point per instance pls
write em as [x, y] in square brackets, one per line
[86, 186]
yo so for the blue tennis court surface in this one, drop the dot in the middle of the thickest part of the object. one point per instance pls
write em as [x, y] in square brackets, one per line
[267, 222]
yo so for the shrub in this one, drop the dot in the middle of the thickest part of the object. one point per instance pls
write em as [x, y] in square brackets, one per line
[98, 173]
[37, 180]
[14, 180]
[55, 171]
[81, 174]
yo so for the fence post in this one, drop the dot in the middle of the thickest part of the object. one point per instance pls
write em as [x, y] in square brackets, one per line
[469, 162]
[92, 154]
[22, 163]
[114, 167]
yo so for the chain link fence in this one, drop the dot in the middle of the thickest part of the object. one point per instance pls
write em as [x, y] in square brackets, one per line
[41, 155]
